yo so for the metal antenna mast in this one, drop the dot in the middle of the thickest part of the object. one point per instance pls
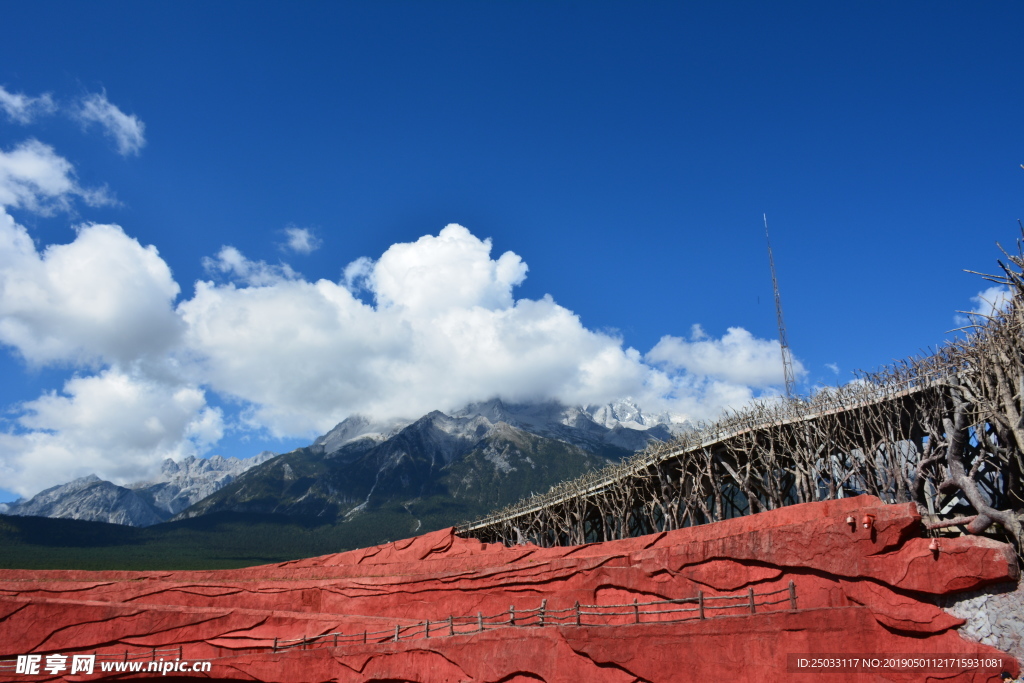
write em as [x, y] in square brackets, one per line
[787, 357]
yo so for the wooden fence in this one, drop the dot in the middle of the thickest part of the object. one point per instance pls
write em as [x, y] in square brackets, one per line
[699, 607]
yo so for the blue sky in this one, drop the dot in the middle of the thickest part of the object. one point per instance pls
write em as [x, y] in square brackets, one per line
[623, 152]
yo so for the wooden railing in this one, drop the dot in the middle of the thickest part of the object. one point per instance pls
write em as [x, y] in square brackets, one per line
[698, 607]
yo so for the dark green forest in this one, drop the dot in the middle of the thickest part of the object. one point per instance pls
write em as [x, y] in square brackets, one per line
[224, 540]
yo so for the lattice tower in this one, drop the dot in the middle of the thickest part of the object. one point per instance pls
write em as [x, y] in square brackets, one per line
[787, 357]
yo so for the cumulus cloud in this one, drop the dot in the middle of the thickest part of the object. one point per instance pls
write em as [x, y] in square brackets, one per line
[445, 330]
[452, 270]
[113, 423]
[102, 298]
[23, 109]
[738, 357]
[35, 178]
[301, 240]
[126, 130]
[100, 301]
[305, 354]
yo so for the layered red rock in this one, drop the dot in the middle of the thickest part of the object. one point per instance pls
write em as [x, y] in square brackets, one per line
[858, 591]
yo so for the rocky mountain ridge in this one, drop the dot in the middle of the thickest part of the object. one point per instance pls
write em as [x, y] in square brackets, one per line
[436, 470]
[178, 486]
[620, 423]
[410, 476]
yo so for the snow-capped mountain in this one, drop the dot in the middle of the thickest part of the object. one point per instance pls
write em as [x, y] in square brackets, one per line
[89, 498]
[185, 483]
[428, 473]
[621, 423]
[625, 413]
[358, 427]
[441, 468]
[179, 485]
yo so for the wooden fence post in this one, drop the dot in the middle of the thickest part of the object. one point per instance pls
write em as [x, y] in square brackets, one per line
[396, 633]
[792, 595]
[543, 606]
[750, 593]
[480, 620]
[275, 644]
[512, 615]
[426, 629]
[335, 639]
[636, 610]
[700, 603]
[451, 625]
[364, 636]
[577, 612]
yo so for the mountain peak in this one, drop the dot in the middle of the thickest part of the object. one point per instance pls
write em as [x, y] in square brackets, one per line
[356, 427]
[179, 485]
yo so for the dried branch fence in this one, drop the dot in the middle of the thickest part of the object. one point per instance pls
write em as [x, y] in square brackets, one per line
[943, 430]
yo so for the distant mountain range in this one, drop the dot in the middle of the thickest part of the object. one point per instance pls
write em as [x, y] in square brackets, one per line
[398, 477]
[180, 485]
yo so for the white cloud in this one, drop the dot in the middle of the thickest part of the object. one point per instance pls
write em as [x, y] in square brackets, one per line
[301, 240]
[127, 131]
[834, 367]
[306, 355]
[101, 298]
[738, 357]
[452, 270]
[445, 331]
[115, 424]
[986, 304]
[356, 275]
[23, 109]
[35, 178]
[235, 265]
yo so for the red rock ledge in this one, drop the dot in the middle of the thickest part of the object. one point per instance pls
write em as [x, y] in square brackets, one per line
[858, 592]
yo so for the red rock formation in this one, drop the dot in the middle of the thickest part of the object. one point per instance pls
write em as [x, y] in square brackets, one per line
[859, 591]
